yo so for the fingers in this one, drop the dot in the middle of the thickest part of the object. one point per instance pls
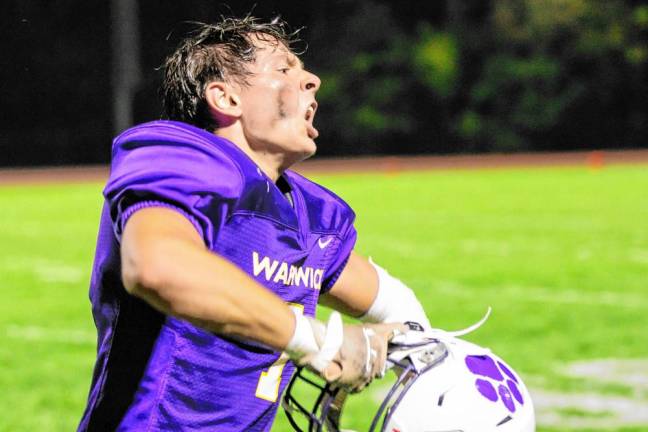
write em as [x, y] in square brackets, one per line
[379, 351]
[390, 330]
[370, 351]
[362, 356]
[377, 355]
[365, 359]
[383, 334]
[333, 372]
[353, 365]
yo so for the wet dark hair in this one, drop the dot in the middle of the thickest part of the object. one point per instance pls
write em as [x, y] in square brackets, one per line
[215, 52]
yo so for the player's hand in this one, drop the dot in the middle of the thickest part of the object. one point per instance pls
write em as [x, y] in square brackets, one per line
[362, 356]
[350, 356]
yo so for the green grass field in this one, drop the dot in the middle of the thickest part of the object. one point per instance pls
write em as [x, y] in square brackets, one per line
[561, 254]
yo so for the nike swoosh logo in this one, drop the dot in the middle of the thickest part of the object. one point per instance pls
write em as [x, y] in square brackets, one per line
[323, 244]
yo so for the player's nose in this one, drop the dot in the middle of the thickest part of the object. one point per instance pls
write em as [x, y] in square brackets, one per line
[310, 82]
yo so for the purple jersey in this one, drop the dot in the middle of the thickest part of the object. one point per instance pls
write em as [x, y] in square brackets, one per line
[155, 372]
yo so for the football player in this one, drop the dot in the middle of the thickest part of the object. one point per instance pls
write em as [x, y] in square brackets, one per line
[212, 255]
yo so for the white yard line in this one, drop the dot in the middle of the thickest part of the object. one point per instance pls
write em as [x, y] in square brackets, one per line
[588, 410]
[597, 410]
[632, 373]
[55, 335]
[45, 270]
[554, 295]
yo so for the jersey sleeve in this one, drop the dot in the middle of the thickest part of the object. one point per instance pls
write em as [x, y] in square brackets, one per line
[347, 243]
[164, 166]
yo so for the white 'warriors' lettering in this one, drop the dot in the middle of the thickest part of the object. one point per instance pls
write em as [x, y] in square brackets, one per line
[287, 274]
[317, 278]
[302, 276]
[263, 265]
[282, 274]
[291, 275]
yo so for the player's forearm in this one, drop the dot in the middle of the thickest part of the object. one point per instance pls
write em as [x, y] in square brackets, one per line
[355, 290]
[182, 278]
[369, 292]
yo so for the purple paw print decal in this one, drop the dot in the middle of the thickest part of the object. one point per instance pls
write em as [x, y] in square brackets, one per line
[497, 382]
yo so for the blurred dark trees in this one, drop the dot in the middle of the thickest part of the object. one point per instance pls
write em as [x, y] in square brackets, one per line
[398, 77]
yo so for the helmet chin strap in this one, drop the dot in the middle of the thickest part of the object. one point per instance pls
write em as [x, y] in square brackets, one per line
[463, 332]
[416, 344]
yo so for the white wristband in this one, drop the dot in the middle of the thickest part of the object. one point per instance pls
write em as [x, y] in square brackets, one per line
[303, 340]
[395, 302]
[332, 342]
[304, 343]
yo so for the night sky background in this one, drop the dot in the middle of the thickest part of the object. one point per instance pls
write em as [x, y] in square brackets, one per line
[406, 77]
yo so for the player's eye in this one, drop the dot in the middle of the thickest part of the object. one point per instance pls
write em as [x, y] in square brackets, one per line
[284, 70]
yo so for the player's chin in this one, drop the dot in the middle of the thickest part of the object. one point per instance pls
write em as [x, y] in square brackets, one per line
[306, 150]
[312, 147]
[306, 147]
[301, 154]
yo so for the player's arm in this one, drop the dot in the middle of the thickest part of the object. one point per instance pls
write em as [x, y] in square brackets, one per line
[166, 263]
[367, 291]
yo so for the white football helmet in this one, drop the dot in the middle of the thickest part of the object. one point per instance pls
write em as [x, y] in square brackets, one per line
[444, 384]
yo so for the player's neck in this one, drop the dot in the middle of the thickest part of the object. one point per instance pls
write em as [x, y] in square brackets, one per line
[272, 164]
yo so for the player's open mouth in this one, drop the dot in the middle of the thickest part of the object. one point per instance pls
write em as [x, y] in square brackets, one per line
[310, 115]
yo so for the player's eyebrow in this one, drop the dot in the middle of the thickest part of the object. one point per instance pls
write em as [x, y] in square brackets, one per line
[293, 60]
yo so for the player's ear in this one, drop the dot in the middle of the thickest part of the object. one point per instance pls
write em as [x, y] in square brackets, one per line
[223, 101]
